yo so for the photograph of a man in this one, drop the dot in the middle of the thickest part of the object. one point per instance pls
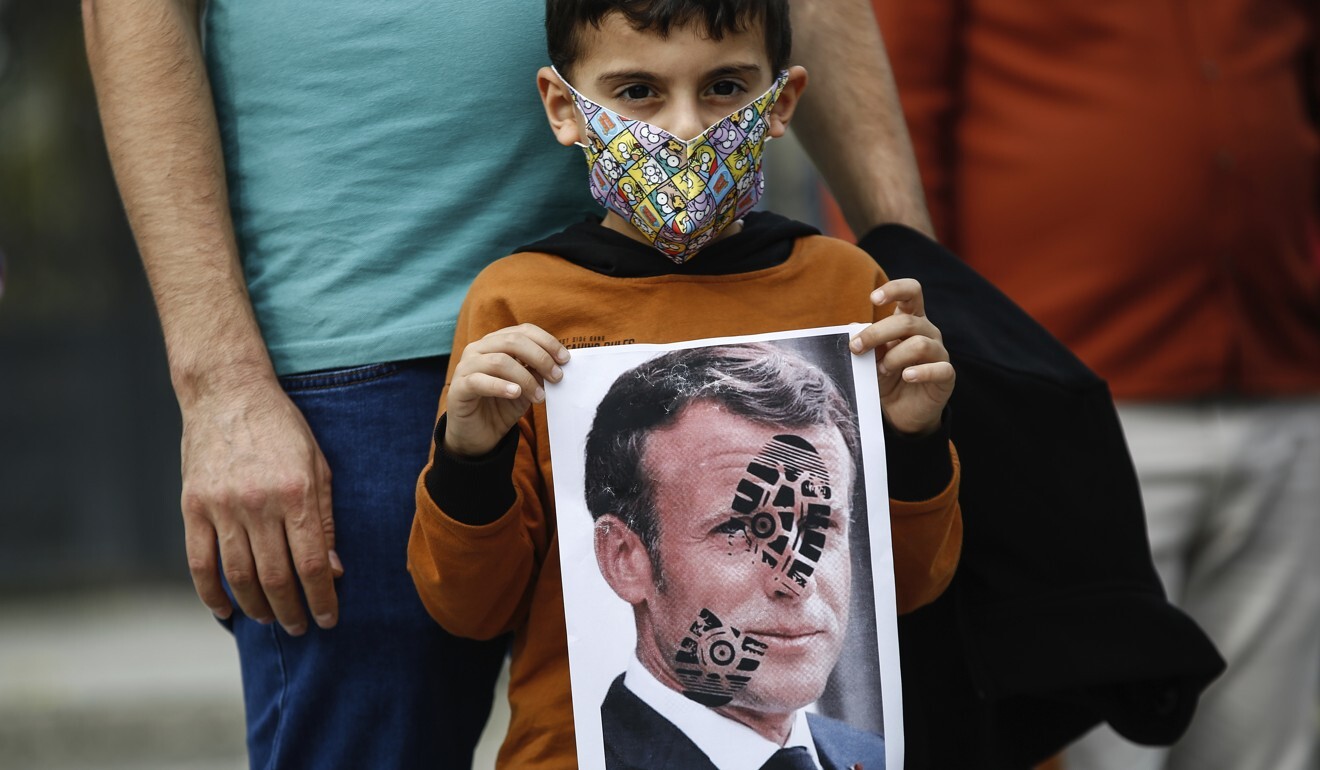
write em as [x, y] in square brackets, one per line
[720, 480]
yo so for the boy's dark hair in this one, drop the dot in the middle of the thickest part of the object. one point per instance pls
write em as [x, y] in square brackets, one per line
[564, 19]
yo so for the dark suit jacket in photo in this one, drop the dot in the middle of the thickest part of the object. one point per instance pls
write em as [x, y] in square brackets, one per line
[637, 737]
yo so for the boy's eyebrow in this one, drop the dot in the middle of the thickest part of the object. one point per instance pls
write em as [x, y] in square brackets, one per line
[621, 76]
[744, 70]
[727, 70]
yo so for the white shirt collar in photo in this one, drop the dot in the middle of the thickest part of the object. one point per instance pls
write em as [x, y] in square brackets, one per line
[730, 745]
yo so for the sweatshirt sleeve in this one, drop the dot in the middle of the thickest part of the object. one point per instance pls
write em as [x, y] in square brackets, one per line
[925, 518]
[927, 538]
[480, 532]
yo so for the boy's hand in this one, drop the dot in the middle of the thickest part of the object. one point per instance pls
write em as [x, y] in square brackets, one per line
[916, 378]
[498, 377]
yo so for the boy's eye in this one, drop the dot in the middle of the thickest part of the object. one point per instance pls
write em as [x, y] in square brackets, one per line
[726, 88]
[636, 92]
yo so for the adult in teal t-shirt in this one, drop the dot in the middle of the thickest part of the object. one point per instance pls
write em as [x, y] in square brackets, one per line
[378, 157]
[312, 189]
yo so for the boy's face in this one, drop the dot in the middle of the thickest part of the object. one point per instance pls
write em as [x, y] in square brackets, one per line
[683, 83]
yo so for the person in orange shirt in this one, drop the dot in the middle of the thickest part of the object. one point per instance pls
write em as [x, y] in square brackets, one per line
[1142, 178]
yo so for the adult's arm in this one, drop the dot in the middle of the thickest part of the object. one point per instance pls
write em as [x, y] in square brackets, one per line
[849, 119]
[925, 52]
[255, 485]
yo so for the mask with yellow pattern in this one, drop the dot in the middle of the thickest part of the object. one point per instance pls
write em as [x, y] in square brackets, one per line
[678, 193]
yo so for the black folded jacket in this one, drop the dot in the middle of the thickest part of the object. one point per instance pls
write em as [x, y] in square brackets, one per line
[1056, 619]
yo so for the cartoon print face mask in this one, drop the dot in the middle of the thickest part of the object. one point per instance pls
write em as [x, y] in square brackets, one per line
[679, 194]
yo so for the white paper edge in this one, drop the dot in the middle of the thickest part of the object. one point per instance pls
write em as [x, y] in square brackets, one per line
[569, 476]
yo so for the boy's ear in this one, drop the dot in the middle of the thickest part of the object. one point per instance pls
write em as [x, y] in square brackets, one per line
[787, 102]
[560, 109]
[623, 559]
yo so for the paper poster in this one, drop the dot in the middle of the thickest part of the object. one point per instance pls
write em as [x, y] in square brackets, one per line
[723, 525]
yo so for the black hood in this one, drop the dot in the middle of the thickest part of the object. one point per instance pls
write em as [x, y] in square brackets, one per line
[766, 240]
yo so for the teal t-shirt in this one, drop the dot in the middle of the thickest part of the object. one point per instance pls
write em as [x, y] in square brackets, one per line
[379, 155]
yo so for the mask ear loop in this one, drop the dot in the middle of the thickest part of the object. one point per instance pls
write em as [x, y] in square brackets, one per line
[781, 81]
[577, 97]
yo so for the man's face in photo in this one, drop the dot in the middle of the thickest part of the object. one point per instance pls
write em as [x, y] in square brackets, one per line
[750, 605]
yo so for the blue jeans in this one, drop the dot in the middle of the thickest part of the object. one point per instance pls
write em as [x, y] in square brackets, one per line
[387, 687]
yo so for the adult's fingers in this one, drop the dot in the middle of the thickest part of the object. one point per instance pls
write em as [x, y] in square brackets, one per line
[310, 551]
[272, 550]
[199, 544]
[240, 571]
[323, 501]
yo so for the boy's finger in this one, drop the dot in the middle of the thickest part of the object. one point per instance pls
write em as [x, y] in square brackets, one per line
[513, 371]
[912, 351]
[893, 329]
[528, 350]
[905, 292]
[547, 342]
[936, 373]
[483, 385]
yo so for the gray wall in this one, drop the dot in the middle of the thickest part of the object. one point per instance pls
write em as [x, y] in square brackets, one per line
[88, 425]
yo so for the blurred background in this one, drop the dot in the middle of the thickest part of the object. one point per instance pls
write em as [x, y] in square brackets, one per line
[107, 660]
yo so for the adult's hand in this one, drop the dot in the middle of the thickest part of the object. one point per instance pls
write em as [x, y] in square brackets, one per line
[254, 479]
[256, 485]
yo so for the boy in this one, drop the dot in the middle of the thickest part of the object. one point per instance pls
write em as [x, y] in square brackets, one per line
[675, 257]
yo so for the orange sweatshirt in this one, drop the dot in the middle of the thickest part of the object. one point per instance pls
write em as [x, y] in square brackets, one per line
[481, 575]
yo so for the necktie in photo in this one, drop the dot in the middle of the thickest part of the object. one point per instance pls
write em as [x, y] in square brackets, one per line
[796, 758]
